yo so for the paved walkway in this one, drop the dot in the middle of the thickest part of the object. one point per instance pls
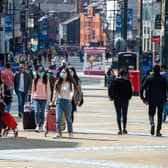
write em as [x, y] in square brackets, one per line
[95, 143]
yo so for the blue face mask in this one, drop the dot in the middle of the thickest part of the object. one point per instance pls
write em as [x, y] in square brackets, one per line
[63, 75]
[41, 74]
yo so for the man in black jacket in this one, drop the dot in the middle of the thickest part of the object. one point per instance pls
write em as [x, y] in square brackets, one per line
[22, 83]
[154, 88]
[121, 91]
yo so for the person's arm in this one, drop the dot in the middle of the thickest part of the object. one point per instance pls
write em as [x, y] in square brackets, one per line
[130, 90]
[55, 95]
[143, 88]
[48, 91]
[72, 91]
[15, 83]
[32, 91]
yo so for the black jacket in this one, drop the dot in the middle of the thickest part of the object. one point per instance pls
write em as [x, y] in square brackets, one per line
[27, 82]
[120, 90]
[153, 89]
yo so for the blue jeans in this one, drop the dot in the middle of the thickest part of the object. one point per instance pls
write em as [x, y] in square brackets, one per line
[21, 101]
[39, 108]
[64, 105]
[8, 107]
[165, 111]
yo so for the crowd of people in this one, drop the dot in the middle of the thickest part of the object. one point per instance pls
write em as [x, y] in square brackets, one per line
[42, 87]
[62, 88]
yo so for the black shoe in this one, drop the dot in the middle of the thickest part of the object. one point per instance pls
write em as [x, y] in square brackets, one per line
[125, 131]
[20, 115]
[158, 134]
[152, 130]
[120, 132]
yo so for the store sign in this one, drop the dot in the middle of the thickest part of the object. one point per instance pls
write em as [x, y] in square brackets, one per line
[155, 39]
[118, 23]
[8, 26]
[130, 20]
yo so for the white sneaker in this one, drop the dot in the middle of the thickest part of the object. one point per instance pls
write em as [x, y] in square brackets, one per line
[70, 135]
[41, 128]
[37, 128]
[58, 135]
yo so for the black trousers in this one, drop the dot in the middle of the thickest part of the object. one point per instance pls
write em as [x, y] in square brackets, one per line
[152, 112]
[1, 122]
[121, 112]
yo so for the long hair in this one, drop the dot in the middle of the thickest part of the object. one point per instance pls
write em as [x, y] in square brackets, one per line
[75, 77]
[69, 79]
[44, 80]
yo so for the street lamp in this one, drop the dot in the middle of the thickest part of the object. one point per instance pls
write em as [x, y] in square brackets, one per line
[140, 56]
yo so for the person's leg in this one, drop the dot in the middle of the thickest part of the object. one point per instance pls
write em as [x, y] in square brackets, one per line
[37, 113]
[159, 122]
[67, 108]
[42, 105]
[19, 95]
[118, 114]
[22, 102]
[124, 113]
[8, 107]
[152, 111]
[0, 124]
[59, 112]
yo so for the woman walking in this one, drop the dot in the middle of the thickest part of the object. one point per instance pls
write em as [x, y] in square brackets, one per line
[40, 95]
[77, 92]
[63, 94]
[121, 91]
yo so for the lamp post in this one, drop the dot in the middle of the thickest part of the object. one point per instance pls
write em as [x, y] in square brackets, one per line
[140, 56]
[125, 20]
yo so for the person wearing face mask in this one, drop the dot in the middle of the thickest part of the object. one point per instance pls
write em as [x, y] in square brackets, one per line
[40, 94]
[79, 90]
[22, 83]
[63, 94]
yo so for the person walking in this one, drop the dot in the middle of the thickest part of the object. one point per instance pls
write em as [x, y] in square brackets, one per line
[77, 92]
[154, 88]
[8, 76]
[40, 95]
[63, 94]
[52, 79]
[164, 73]
[22, 84]
[121, 92]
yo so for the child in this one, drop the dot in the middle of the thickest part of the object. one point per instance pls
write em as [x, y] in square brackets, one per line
[7, 121]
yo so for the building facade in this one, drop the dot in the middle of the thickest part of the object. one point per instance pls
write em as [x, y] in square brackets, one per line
[91, 28]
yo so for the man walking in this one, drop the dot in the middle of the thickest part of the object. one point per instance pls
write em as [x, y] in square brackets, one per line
[154, 88]
[164, 73]
[7, 76]
[22, 83]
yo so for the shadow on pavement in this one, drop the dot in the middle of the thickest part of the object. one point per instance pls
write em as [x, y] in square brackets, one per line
[25, 143]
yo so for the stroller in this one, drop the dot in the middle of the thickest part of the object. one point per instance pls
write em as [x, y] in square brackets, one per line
[7, 121]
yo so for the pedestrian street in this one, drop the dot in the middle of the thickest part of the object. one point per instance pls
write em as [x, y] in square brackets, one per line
[95, 142]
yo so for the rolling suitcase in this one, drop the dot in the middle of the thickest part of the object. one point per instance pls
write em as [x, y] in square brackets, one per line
[29, 116]
[50, 124]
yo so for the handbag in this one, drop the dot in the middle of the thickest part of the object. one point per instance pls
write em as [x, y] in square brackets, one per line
[80, 99]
